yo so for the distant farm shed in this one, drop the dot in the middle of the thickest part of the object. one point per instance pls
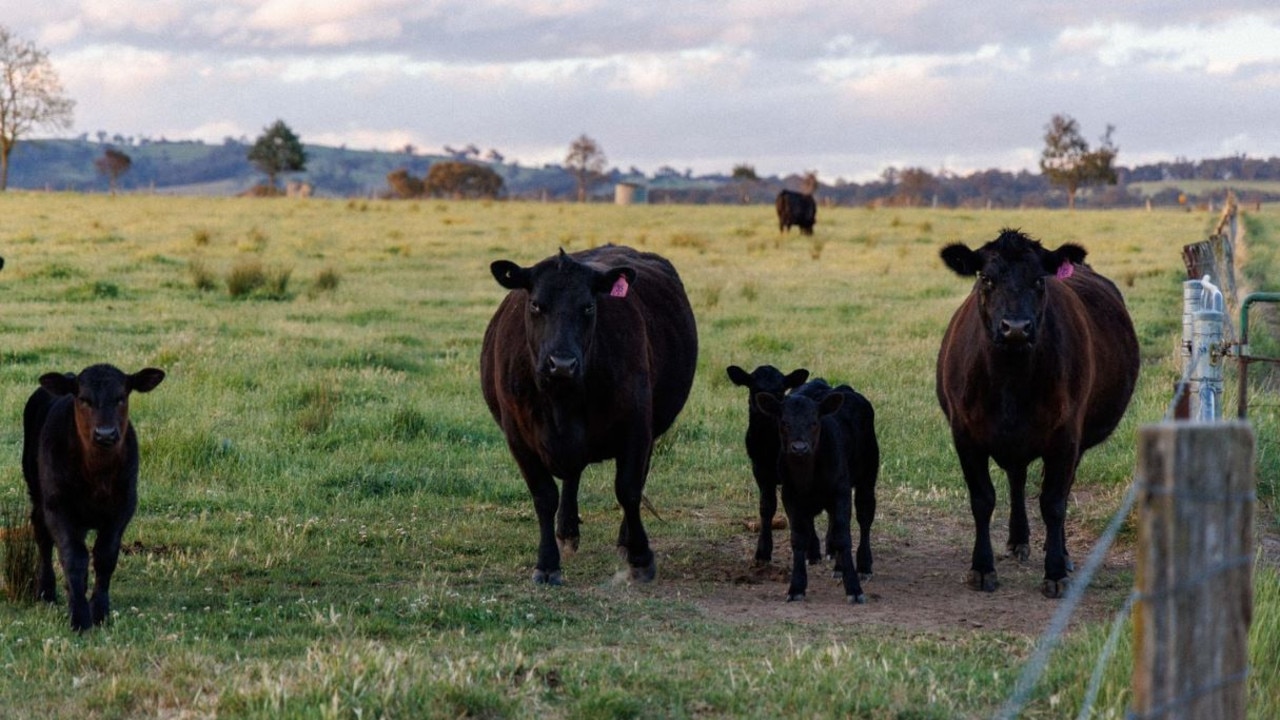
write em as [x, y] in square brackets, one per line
[626, 193]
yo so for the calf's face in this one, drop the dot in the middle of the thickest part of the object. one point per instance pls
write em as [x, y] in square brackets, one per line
[101, 395]
[799, 421]
[560, 310]
[1012, 273]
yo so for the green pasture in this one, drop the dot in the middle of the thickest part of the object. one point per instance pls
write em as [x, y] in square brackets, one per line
[330, 525]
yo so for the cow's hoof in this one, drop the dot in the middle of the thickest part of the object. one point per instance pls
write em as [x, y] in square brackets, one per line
[542, 577]
[1054, 589]
[568, 545]
[986, 582]
[760, 563]
[837, 574]
[644, 574]
[859, 599]
[1019, 551]
[795, 597]
[864, 576]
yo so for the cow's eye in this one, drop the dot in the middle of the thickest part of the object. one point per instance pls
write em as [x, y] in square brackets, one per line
[534, 308]
[1039, 284]
[589, 310]
[85, 402]
[987, 282]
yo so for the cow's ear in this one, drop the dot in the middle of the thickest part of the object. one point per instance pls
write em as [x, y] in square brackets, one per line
[961, 259]
[1070, 252]
[795, 379]
[738, 376]
[769, 405]
[510, 275]
[615, 281]
[830, 403]
[60, 383]
[146, 379]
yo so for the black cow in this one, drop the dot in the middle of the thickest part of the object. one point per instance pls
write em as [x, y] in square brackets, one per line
[763, 445]
[80, 461]
[1039, 361]
[797, 209]
[589, 357]
[828, 451]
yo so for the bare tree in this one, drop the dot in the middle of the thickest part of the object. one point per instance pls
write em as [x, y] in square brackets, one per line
[31, 96]
[586, 162]
[113, 164]
[1068, 161]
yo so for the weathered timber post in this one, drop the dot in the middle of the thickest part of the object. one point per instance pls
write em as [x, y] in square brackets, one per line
[1195, 570]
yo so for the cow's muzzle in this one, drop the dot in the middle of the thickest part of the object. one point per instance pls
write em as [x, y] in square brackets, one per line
[561, 367]
[106, 436]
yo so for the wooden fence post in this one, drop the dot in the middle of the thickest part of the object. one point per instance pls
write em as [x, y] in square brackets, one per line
[1195, 570]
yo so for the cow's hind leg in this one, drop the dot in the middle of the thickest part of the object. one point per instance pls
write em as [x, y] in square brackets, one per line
[46, 581]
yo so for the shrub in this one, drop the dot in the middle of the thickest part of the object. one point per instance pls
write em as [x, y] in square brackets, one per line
[245, 277]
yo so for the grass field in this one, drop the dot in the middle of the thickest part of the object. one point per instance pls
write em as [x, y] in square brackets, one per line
[330, 524]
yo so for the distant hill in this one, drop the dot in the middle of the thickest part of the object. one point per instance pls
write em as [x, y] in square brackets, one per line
[197, 168]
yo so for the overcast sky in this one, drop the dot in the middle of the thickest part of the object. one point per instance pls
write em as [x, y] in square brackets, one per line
[844, 88]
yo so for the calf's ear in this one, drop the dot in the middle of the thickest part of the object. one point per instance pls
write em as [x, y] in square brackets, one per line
[961, 259]
[146, 379]
[738, 376]
[769, 405]
[510, 275]
[60, 383]
[795, 379]
[830, 403]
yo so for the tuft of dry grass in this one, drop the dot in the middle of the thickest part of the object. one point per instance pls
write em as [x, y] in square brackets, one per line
[19, 543]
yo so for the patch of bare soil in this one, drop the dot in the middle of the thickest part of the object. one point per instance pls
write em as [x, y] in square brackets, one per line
[918, 584]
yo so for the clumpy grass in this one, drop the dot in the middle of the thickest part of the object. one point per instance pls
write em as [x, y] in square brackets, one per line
[19, 546]
[202, 278]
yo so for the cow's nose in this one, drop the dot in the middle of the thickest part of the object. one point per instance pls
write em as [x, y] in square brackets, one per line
[106, 435]
[1015, 330]
[798, 447]
[562, 367]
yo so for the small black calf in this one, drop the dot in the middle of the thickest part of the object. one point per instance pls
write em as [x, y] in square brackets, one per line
[828, 450]
[80, 461]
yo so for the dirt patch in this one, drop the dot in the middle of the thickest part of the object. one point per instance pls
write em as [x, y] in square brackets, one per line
[918, 585]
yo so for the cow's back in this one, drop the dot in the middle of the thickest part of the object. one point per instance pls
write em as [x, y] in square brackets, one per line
[1114, 348]
[669, 324]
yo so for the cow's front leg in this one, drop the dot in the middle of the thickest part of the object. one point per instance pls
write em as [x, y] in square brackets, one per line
[106, 553]
[628, 487]
[546, 499]
[802, 532]
[567, 532]
[74, 557]
[1019, 544]
[1059, 475]
[982, 502]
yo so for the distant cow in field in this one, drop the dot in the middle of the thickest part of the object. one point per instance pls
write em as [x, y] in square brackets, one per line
[829, 460]
[1039, 361]
[797, 209]
[763, 446]
[80, 461]
[589, 357]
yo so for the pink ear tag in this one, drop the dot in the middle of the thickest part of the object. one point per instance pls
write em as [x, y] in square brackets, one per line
[1066, 270]
[620, 287]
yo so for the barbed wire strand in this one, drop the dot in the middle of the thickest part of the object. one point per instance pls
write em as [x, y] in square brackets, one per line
[1108, 648]
[1035, 667]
